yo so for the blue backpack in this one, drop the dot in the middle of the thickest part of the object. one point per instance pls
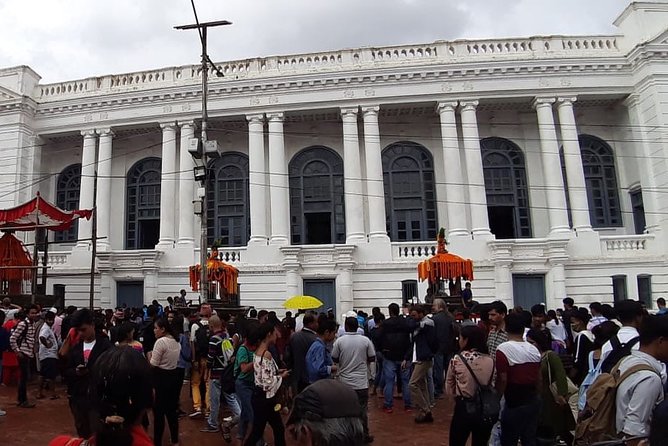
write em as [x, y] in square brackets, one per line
[588, 381]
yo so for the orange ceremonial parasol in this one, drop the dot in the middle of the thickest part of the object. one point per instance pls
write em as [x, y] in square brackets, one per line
[443, 265]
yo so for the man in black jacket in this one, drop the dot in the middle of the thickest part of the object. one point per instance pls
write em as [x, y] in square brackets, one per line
[394, 341]
[77, 374]
[421, 355]
[445, 338]
[299, 344]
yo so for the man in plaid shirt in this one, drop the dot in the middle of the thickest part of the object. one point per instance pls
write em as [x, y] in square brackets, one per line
[22, 341]
[497, 335]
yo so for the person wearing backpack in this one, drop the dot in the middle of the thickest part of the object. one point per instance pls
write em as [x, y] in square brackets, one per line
[22, 342]
[620, 404]
[220, 359]
[630, 314]
[556, 418]
[468, 370]
[199, 339]
[602, 333]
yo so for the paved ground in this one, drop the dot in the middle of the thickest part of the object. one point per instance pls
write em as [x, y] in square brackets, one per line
[37, 426]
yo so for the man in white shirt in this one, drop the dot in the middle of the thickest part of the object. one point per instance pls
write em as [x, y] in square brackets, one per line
[48, 357]
[353, 352]
[596, 316]
[630, 314]
[638, 394]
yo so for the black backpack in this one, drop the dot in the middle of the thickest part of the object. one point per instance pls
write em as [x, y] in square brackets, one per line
[202, 336]
[486, 403]
[619, 351]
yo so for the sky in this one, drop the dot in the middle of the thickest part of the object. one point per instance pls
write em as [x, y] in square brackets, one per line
[74, 39]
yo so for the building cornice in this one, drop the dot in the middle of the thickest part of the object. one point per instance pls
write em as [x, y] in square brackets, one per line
[248, 97]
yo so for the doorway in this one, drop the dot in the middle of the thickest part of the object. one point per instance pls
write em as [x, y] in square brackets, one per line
[323, 289]
[149, 233]
[502, 221]
[318, 228]
[130, 294]
[528, 290]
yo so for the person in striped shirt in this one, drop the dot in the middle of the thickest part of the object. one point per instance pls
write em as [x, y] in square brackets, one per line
[22, 341]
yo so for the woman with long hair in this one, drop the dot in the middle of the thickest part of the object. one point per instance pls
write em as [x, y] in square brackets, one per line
[121, 393]
[167, 381]
[463, 385]
[556, 418]
[268, 380]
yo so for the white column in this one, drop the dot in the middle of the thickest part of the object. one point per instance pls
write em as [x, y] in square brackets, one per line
[278, 182]
[577, 188]
[167, 186]
[186, 188]
[352, 178]
[374, 175]
[87, 185]
[646, 161]
[474, 172]
[454, 182]
[104, 190]
[554, 182]
[257, 178]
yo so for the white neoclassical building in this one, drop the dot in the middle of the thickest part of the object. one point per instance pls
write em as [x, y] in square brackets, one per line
[545, 158]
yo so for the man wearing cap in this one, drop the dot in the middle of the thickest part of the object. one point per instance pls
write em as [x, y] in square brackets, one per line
[326, 413]
[353, 352]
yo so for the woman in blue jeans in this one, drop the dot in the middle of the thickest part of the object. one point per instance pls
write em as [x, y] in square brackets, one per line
[245, 382]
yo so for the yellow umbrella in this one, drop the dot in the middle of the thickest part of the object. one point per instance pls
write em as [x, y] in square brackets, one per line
[302, 303]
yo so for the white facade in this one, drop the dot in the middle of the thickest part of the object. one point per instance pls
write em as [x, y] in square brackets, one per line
[539, 93]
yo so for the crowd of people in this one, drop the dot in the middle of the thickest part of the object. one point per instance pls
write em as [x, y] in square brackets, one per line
[570, 376]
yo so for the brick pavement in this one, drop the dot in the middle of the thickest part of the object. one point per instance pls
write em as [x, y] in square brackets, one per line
[50, 418]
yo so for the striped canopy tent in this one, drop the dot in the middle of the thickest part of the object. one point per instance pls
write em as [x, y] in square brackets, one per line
[39, 213]
[443, 265]
[16, 264]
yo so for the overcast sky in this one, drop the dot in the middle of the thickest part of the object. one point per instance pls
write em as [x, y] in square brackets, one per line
[71, 39]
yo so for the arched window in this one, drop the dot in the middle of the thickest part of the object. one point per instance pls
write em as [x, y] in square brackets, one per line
[67, 197]
[316, 197]
[506, 188]
[143, 204]
[410, 193]
[598, 162]
[227, 207]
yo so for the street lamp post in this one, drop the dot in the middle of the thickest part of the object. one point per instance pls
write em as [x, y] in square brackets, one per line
[203, 149]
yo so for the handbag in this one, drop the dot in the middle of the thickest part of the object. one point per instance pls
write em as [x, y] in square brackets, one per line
[486, 403]
[571, 388]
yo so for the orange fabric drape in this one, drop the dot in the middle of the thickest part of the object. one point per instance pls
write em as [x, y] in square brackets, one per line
[445, 266]
[13, 253]
[217, 271]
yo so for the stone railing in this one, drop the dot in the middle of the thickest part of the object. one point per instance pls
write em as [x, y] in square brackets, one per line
[625, 244]
[231, 255]
[413, 251]
[58, 259]
[441, 52]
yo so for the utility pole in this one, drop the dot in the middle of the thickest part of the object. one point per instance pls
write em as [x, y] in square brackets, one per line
[202, 29]
[91, 297]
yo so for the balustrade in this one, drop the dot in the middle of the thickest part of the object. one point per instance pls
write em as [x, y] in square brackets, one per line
[628, 244]
[413, 250]
[442, 51]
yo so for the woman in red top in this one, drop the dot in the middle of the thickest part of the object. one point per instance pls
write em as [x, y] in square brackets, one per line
[121, 391]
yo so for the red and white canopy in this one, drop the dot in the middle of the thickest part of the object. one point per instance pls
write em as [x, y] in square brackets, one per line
[39, 213]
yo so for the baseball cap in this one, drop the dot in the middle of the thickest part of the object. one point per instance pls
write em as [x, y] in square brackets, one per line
[325, 398]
